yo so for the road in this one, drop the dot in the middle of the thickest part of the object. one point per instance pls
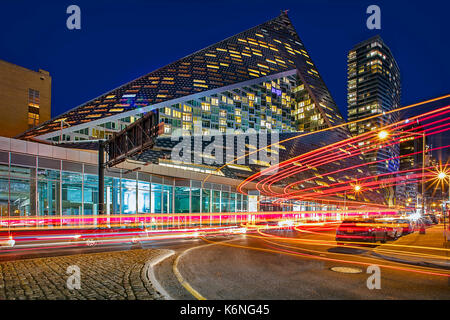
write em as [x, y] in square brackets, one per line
[252, 266]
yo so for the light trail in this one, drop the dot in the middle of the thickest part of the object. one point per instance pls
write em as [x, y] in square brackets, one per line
[310, 256]
[326, 129]
[361, 257]
[268, 170]
[329, 159]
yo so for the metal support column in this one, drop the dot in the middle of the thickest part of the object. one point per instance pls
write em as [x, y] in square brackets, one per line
[101, 177]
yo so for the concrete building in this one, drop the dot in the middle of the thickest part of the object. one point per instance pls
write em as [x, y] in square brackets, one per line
[25, 98]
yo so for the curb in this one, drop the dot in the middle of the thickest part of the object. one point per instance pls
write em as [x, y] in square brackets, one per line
[150, 273]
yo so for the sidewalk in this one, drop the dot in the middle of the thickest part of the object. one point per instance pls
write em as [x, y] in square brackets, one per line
[426, 250]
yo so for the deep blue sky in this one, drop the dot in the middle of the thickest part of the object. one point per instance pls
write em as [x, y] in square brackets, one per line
[122, 40]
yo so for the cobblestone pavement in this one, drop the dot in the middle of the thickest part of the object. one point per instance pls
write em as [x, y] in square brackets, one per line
[104, 276]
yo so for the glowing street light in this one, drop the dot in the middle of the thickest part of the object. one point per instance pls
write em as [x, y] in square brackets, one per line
[383, 134]
[357, 188]
[441, 175]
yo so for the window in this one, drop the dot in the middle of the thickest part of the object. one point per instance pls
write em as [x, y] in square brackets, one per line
[167, 199]
[144, 196]
[206, 107]
[156, 198]
[33, 108]
[187, 117]
[90, 194]
[128, 196]
[71, 193]
[182, 200]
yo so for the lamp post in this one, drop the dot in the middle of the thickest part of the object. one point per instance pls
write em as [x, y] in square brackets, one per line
[356, 188]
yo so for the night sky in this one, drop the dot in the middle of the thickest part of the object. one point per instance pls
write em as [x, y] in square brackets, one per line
[122, 40]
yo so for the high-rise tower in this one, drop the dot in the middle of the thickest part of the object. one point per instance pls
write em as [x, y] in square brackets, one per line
[374, 88]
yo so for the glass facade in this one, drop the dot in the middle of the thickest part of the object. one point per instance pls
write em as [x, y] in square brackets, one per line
[27, 188]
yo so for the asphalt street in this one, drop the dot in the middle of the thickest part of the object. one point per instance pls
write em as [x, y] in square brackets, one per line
[243, 269]
[256, 267]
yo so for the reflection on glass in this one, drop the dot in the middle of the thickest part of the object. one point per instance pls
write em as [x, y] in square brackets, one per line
[181, 199]
[144, 197]
[206, 200]
[129, 196]
[216, 201]
[71, 193]
[156, 198]
[167, 199]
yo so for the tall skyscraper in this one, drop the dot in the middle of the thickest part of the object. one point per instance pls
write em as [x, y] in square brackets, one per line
[374, 87]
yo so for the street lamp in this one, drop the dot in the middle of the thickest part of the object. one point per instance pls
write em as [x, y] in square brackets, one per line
[357, 188]
[383, 134]
[442, 176]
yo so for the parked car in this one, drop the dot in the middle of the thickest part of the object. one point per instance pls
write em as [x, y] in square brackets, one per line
[361, 231]
[433, 218]
[393, 229]
[406, 224]
[426, 221]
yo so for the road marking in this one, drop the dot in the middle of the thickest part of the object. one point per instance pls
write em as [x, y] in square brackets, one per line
[180, 278]
[150, 272]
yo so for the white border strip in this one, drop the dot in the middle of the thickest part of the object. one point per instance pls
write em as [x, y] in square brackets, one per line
[150, 273]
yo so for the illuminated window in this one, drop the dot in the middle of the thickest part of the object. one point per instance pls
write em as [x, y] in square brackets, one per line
[206, 106]
[187, 126]
[33, 107]
[176, 114]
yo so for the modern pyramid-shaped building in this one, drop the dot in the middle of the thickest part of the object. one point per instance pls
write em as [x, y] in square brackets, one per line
[262, 78]
[259, 82]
